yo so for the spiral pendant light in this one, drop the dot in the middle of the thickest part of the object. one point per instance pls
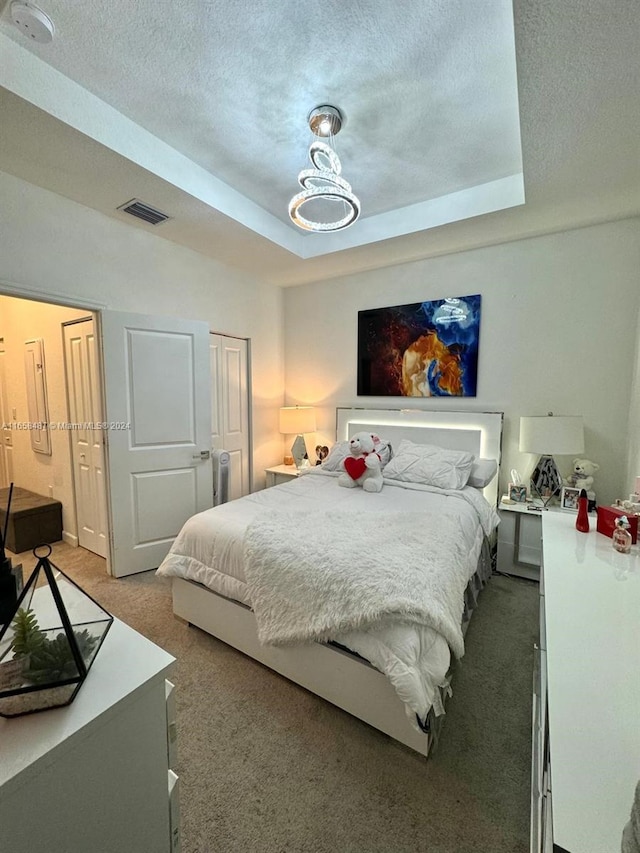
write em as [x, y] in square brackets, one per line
[324, 180]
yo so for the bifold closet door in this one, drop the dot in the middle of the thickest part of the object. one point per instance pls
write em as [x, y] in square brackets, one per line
[87, 436]
[230, 408]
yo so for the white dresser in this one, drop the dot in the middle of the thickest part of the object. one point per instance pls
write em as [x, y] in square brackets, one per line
[586, 743]
[95, 777]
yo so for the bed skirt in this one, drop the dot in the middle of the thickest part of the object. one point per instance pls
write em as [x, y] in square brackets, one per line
[486, 566]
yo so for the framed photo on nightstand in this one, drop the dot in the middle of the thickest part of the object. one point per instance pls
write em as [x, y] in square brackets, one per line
[569, 498]
[517, 493]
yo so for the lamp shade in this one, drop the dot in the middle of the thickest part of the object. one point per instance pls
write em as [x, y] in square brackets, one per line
[549, 435]
[294, 420]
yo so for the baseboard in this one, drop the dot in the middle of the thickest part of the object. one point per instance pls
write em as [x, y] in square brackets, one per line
[70, 539]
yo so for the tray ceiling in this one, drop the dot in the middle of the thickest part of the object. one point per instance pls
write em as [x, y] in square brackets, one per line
[199, 109]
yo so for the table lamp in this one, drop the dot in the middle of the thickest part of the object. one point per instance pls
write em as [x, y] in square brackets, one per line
[296, 420]
[549, 436]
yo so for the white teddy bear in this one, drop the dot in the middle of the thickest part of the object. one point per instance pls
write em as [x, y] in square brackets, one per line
[363, 467]
[582, 475]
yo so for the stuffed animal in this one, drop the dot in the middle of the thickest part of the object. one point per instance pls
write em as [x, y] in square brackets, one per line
[582, 475]
[362, 467]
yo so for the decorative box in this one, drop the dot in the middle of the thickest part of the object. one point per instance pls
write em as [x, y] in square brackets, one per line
[33, 520]
[607, 520]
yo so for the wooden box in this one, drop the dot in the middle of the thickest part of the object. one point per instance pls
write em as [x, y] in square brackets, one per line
[33, 520]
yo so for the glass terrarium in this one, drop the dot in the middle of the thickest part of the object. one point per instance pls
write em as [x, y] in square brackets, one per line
[49, 644]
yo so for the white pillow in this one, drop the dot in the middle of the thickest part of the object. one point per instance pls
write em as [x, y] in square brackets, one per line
[429, 465]
[482, 472]
[340, 451]
[336, 456]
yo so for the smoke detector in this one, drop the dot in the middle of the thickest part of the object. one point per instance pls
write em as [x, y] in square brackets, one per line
[32, 22]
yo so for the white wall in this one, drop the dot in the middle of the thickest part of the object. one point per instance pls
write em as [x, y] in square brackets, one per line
[558, 332]
[53, 245]
[22, 320]
[633, 448]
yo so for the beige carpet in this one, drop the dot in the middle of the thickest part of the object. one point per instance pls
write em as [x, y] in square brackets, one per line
[267, 767]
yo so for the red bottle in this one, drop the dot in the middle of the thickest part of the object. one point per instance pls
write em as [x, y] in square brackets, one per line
[582, 521]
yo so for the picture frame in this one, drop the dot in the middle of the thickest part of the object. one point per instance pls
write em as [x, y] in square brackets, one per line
[517, 493]
[421, 349]
[569, 499]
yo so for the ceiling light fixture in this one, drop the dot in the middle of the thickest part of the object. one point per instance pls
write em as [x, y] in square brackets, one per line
[324, 181]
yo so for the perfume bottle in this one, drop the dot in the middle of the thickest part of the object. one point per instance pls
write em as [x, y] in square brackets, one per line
[582, 521]
[621, 538]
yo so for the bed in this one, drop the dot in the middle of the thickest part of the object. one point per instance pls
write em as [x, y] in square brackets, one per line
[359, 597]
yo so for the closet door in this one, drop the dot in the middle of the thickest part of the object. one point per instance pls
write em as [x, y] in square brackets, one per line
[87, 439]
[230, 408]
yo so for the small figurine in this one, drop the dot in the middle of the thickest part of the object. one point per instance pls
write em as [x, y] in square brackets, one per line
[582, 478]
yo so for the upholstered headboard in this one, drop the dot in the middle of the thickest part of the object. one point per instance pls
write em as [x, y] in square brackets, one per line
[479, 433]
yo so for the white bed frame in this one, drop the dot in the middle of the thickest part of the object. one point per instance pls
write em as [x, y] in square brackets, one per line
[339, 677]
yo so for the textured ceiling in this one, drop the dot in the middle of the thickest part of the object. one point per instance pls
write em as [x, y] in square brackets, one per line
[199, 108]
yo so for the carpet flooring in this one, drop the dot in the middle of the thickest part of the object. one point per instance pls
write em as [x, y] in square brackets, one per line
[266, 767]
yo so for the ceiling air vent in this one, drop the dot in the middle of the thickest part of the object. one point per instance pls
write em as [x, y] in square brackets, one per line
[138, 208]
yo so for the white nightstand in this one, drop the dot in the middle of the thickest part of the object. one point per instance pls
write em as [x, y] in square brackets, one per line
[281, 474]
[520, 547]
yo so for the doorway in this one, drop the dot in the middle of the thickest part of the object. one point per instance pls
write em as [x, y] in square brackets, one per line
[125, 491]
[36, 452]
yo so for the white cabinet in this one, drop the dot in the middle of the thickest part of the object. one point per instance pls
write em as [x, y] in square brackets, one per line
[520, 538]
[586, 748]
[94, 777]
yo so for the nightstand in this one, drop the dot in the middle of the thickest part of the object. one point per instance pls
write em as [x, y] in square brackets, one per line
[281, 474]
[520, 539]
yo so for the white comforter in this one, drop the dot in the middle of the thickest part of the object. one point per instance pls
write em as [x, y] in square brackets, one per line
[415, 655]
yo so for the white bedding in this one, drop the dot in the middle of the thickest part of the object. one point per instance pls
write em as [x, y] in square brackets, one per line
[210, 549]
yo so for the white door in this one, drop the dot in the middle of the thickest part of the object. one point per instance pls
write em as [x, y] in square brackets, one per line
[157, 412]
[87, 444]
[230, 408]
[6, 435]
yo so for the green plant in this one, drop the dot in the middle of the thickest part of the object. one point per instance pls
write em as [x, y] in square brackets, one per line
[47, 660]
[27, 636]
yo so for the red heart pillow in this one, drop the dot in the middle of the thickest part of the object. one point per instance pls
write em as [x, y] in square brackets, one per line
[355, 468]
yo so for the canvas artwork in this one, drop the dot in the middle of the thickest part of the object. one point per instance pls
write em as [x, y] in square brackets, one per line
[426, 349]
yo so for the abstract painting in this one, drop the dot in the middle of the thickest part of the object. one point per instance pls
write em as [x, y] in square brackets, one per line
[426, 349]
